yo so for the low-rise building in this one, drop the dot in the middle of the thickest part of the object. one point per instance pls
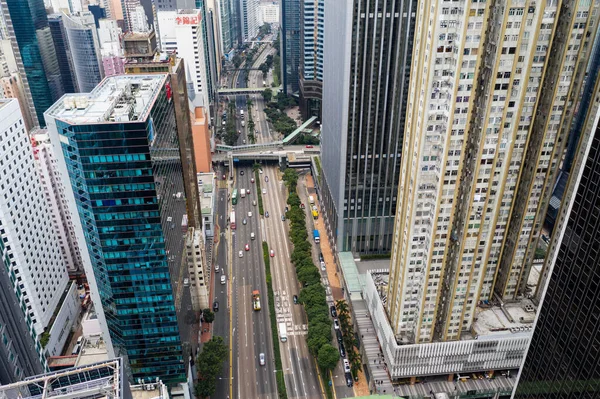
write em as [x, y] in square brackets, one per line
[198, 272]
[206, 188]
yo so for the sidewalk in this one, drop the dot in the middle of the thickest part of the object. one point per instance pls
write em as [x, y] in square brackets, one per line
[361, 387]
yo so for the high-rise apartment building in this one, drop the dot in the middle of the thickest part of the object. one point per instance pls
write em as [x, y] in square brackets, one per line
[492, 90]
[310, 71]
[365, 86]
[85, 49]
[228, 32]
[249, 17]
[562, 360]
[289, 40]
[128, 7]
[12, 87]
[125, 157]
[31, 252]
[54, 193]
[24, 19]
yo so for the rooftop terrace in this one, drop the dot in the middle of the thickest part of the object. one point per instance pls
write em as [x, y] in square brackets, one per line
[117, 99]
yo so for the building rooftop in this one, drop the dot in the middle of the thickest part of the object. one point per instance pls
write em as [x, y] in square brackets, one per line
[93, 351]
[491, 319]
[116, 99]
[5, 101]
[156, 390]
[206, 190]
[138, 35]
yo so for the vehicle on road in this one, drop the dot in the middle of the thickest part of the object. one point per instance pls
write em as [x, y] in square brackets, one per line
[272, 253]
[252, 180]
[244, 140]
[249, 214]
[346, 366]
[186, 282]
[323, 267]
[223, 279]
[234, 197]
[224, 177]
[287, 209]
[282, 332]
[260, 171]
[253, 202]
[261, 359]
[252, 236]
[342, 351]
[349, 382]
[215, 306]
[311, 199]
[244, 221]
[295, 299]
[264, 190]
[309, 146]
[283, 218]
[302, 206]
[241, 254]
[216, 268]
[340, 337]
[243, 124]
[247, 247]
[333, 311]
[316, 236]
[256, 300]
[243, 193]
[266, 214]
[241, 172]
[321, 259]
[315, 214]
[336, 324]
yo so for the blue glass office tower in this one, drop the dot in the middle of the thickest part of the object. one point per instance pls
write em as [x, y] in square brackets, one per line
[28, 17]
[122, 154]
[290, 45]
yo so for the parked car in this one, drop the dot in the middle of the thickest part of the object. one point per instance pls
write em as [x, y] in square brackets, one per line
[336, 324]
[186, 282]
[346, 366]
[215, 306]
[333, 311]
[342, 350]
[309, 146]
[295, 299]
[283, 218]
[323, 266]
[321, 259]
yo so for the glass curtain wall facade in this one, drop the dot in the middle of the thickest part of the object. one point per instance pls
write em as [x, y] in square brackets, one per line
[85, 51]
[562, 361]
[29, 16]
[63, 53]
[311, 65]
[290, 45]
[125, 177]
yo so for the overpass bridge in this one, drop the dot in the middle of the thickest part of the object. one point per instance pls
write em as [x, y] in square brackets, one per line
[244, 90]
[292, 157]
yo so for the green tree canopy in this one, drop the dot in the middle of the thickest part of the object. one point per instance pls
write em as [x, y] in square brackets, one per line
[209, 316]
[328, 357]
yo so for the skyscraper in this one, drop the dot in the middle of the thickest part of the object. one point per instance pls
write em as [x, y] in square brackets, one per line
[228, 31]
[31, 252]
[249, 17]
[365, 88]
[123, 152]
[290, 44]
[311, 63]
[25, 19]
[63, 53]
[491, 96]
[562, 360]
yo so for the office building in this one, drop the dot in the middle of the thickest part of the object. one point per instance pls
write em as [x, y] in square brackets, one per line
[269, 12]
[85, 50]
[63, 53]
[125, 129]
[183, 32]
[249, 19]
[310, 70]
[562, 360]
[487, 120]
[227, 33]
[54, 191]
[31, 18]
[31, 251]
[290, 44]
[365, 88]
[50, 62]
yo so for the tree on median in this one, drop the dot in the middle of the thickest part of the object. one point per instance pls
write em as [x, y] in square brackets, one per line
[328, 357]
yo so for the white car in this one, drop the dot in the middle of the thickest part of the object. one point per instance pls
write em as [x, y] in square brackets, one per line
[336, 324]
[223, 279]
[249, 214]
[241, 254]
[264, 190]
[323, 266]
[252, 236]
[216, 268]
[261, 359]
[186, 282]
[253, 202]
[346, 366]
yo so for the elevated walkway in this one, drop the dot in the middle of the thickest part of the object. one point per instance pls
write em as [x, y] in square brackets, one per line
[244, 90]
[301, 129]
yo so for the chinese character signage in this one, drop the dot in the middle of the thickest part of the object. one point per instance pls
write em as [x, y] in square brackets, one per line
[189, 19]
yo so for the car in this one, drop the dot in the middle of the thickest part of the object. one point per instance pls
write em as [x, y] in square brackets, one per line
[349, 381]
[247, 247]
[267, 179]
[215, 306]
[333, 311]
[216, 268]
[272, 253]
[241, 254]
[346, 366]
[244, 141]
[249, 214]
[252, 180]
[302, 206]
[186, 282]
[244, 221]
[309, 146]
[247, 191]
[224, 177]
[252, 236]
[264, 190]
[260, 171]
[267, 214]
[223, 279]
[295, 299]
[323, 267]
[261, 359]
[283, 218]
[253, 202]
[241, 172]
[336, 324]
[339, 336]
[321, 259]
[342, 351]
[286, 209]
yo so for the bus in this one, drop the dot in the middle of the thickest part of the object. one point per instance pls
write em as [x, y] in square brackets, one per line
[234, 197]
[232, 220]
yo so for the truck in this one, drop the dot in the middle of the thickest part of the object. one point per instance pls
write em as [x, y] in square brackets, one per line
[311, 199]
[256, 299]
[243, 193]
[315, 214]
[232, 220]
[282, 332]
[316, 236]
